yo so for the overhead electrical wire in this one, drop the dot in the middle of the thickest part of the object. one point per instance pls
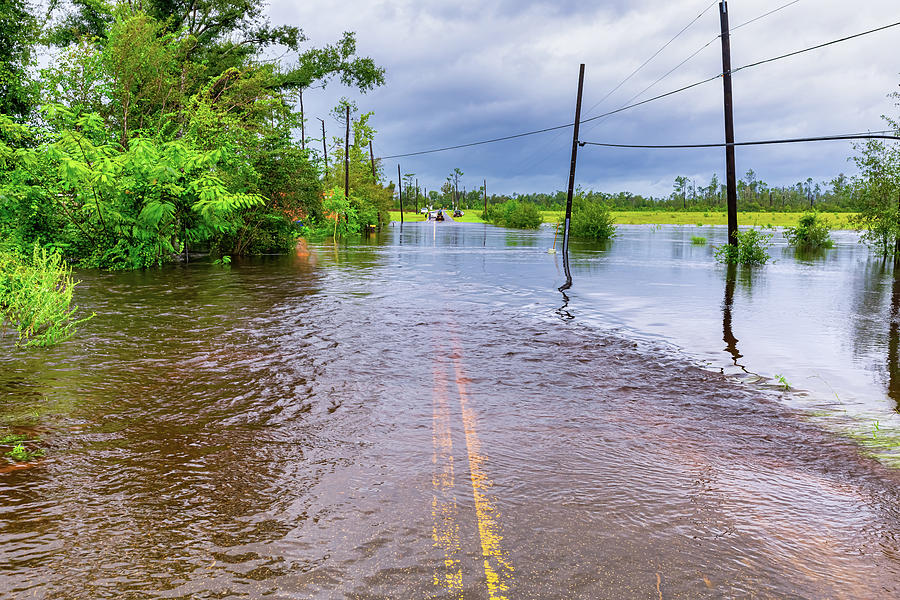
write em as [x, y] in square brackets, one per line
[762, 16]
[529, 161]
[642, 102]
[877, 135]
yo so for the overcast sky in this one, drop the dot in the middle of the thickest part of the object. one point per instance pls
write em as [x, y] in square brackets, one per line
[468, 70]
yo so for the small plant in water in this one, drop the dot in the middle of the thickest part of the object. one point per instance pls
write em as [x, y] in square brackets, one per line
[782, 381]
[21, 454]
[698, 240]
[875, 430]
[12, 438]
[224, 261]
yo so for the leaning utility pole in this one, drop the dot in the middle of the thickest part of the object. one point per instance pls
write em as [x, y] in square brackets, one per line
[347, 157]
[324, 147]
[372, 160]
[571, 191]
[730, 176]
[302, 125]
[400, 192]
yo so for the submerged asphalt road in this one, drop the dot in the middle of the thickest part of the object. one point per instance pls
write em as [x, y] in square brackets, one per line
[396, 419]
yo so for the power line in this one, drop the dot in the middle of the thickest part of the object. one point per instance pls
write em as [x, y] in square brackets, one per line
[882, 135]
[771, 12]
[843, 39]
[699, 50]
[655, 54]
[642, 102]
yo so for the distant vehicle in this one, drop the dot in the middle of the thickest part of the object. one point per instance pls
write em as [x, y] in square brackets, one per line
[458, 213]
[440, 216]
[424, 211]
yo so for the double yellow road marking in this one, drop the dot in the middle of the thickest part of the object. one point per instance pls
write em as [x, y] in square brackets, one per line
[497, 568]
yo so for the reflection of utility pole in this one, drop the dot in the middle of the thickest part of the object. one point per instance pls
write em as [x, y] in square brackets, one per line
[727, 333]
[324, 147]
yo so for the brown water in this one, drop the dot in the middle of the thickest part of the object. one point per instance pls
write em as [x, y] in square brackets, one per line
[422, 416]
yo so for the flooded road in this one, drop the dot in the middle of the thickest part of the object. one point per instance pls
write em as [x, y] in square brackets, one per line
[422, 415]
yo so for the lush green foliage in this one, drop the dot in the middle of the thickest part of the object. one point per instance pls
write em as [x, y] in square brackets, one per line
[811, 233]
[162, 131]
[514, 214]
[36, 298]
[591, 220]
[878, 191]
[698, 240]
[751, 249]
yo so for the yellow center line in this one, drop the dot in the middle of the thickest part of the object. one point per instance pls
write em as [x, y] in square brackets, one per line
[445, 529]
[497, 568]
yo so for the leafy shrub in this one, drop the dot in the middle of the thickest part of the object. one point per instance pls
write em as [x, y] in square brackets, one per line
[36, 298]
[810, 233]
[751, 249]
[514, 214]
[698, 240]
[592, 220]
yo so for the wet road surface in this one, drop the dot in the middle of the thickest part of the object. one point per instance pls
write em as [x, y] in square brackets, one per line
[396, 419]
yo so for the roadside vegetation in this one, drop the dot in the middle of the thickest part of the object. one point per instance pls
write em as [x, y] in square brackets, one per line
[514, 214]
[156, 130]
[36, 297]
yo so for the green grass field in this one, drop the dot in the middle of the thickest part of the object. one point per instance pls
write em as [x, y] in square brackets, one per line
[661, 217]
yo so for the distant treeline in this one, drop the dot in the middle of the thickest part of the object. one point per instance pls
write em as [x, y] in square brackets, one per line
[754, 195]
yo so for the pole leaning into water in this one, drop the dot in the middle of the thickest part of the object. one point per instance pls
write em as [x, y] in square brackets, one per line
[571, 191]
[400, 192]
[730, 176]
[347, 157]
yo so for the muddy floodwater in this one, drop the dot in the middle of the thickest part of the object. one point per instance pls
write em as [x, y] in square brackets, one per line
[422, 415]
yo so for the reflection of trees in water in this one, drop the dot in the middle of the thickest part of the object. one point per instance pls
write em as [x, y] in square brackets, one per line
[893, 341]
[876, 322]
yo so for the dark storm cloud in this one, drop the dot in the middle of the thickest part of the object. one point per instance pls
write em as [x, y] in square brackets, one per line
[464, 71]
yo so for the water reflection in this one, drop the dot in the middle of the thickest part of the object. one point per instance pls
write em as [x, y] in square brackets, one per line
[893, 348]
[727, 304]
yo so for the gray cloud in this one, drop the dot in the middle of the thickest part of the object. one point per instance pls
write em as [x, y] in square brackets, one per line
[464, 71]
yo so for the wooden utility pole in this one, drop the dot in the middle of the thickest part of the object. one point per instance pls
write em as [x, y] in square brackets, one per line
[571, 191]
[324, 147]
[417, 195]
[400, 192]
[485, 195]
[347, 156]
[302, 123]
[372, 161]
[730, 175]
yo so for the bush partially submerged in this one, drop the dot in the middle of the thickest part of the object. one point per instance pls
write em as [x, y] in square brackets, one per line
[36, 298]
[591, 220]
[514, 214]
[812, 232]
[751, 249]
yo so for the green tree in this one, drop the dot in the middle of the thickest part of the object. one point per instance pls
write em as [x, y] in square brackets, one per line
[18, 29]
